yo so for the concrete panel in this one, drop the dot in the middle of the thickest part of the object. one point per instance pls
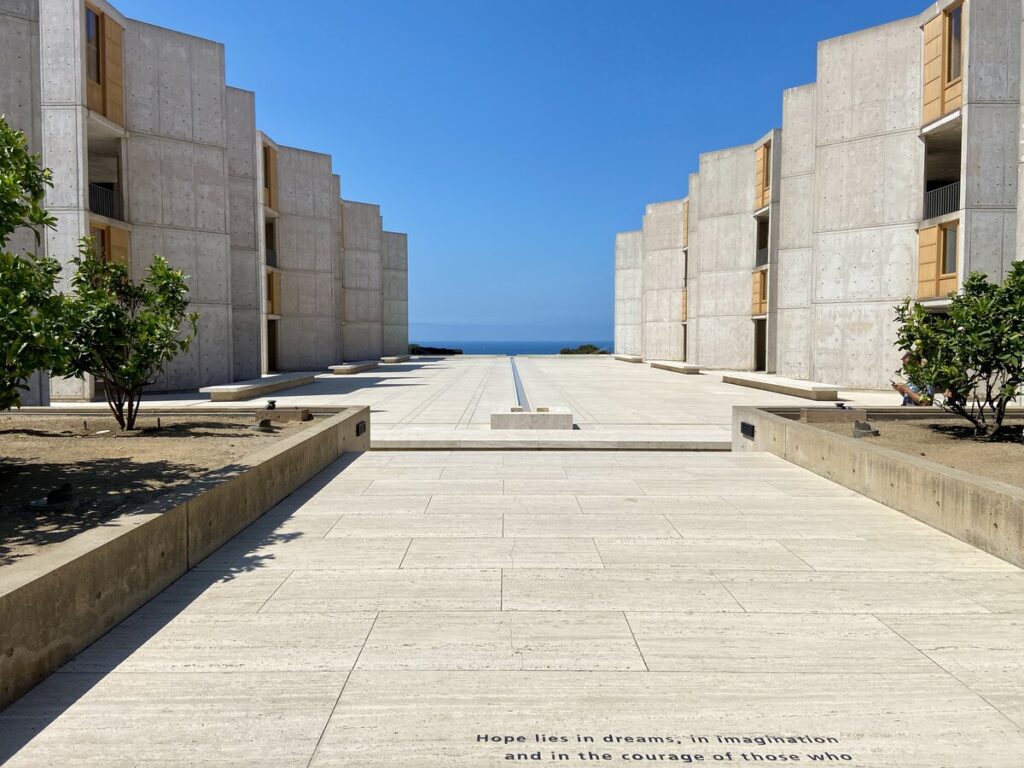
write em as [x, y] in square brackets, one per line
[145, 189]
[245, 344]
[61, 38]
[798, 139]
[865, 264]
[991, 146]
[243, 213]
[214, 345]
[241, 132]
[989, 241]
[395, 294]
[793, 354]
[19, 61]
[363, 235]
[993, 51]
[211, 188]
[794, 284]
[208, 92]
[854, 343]
[213, 269]
[629, 293]
[245, 282]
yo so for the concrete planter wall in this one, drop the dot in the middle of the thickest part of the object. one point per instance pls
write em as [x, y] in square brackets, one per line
[984, 513]
[56, 603]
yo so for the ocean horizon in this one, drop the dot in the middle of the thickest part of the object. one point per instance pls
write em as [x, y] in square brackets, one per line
[513, 347]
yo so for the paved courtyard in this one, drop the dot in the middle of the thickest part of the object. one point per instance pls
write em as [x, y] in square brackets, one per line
[438, 398]
[454, 609]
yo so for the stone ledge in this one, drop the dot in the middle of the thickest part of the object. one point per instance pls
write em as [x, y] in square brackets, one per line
[541, 418]
[395, 359]
[347, 369]
[809, 390]
[687, 368]
[246, 390]
[984, 513]
[59, 601]
[629, 358]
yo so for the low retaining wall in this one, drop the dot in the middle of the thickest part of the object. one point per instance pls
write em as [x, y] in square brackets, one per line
[985, 513]
[54, 604]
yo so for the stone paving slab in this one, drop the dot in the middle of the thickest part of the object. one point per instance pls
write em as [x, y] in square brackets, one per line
[401, 606]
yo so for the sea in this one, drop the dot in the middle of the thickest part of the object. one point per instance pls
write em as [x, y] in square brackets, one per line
[512, 347]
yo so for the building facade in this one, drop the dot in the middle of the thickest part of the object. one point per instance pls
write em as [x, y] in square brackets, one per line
[153, 153]
[894, 175]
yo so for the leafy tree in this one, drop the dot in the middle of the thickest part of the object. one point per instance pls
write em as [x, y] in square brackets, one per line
[126, 332]
[972, 356]
[31, 334]
[584, 349]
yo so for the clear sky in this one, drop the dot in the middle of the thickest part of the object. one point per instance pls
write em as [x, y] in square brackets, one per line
[513, 138]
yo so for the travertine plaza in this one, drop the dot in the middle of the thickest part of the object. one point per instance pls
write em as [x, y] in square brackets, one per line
[152, 152]
[894, 175]
[675, 579]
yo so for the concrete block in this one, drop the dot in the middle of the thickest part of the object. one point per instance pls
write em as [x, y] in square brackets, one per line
[540, 418]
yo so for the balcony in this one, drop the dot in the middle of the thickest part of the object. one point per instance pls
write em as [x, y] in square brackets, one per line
[271, 257]
[761, 259]
[942, 201]
[105, 202]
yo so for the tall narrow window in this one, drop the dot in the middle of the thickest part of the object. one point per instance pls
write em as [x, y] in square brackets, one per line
[768, 165]
[949, 247]
[92, 45]
[266, 167]
[954, 35]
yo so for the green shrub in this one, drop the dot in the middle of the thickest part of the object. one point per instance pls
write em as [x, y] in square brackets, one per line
[973, 355]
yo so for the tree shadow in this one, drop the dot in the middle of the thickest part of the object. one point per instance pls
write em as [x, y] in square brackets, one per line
[30, 715]
[1010, 433]
[104, 488]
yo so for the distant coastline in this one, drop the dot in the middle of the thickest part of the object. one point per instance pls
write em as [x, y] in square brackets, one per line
[511, 347]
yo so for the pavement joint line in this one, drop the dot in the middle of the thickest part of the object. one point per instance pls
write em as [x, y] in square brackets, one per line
[635, 643]
[782, 544]
[344, 685]
[729, 591]
[951, 674]
[406, 553]
[263, 604]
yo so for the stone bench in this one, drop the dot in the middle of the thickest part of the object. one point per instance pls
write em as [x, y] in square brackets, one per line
[630, 358]
[347, 369]
[541, 418]
[687, 368]
[809, 390]
[251, 388]
[395, 359]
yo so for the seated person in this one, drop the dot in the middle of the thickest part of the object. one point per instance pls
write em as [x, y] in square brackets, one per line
[912, 393]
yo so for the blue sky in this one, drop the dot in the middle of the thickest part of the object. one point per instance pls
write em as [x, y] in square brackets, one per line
[513, 138]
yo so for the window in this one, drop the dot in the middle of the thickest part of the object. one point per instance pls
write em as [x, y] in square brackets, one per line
[954, 37]
[768, 165]
[266, 167]
[93, 54]
[949, 247]
[99, 242]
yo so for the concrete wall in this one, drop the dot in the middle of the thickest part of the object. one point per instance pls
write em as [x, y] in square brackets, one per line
[629, 293]
[362, 236]
[723, 255]
[395, 294]
[309, 255]
[663, 273]
[796, 234]
[244, 222]
[177, 184]
[991, 125]
[868, 200]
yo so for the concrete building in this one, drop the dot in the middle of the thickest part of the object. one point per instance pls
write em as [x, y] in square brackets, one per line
[894, 175]
[152, 152]
[395, 294]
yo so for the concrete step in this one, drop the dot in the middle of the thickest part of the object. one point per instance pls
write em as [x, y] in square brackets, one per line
[809, 390]
[251, 388]
[675, 367]
[696, 438]
[630, 358]
[395, 359]
[347, 369]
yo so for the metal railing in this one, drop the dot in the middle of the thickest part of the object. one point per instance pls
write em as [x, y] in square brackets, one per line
[105, 202]
[939, 202]
[761, 258]
[271, 257]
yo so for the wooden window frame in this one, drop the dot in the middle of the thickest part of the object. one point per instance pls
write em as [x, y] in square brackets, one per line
[99, 43]
[947, 43]
[944, 234]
